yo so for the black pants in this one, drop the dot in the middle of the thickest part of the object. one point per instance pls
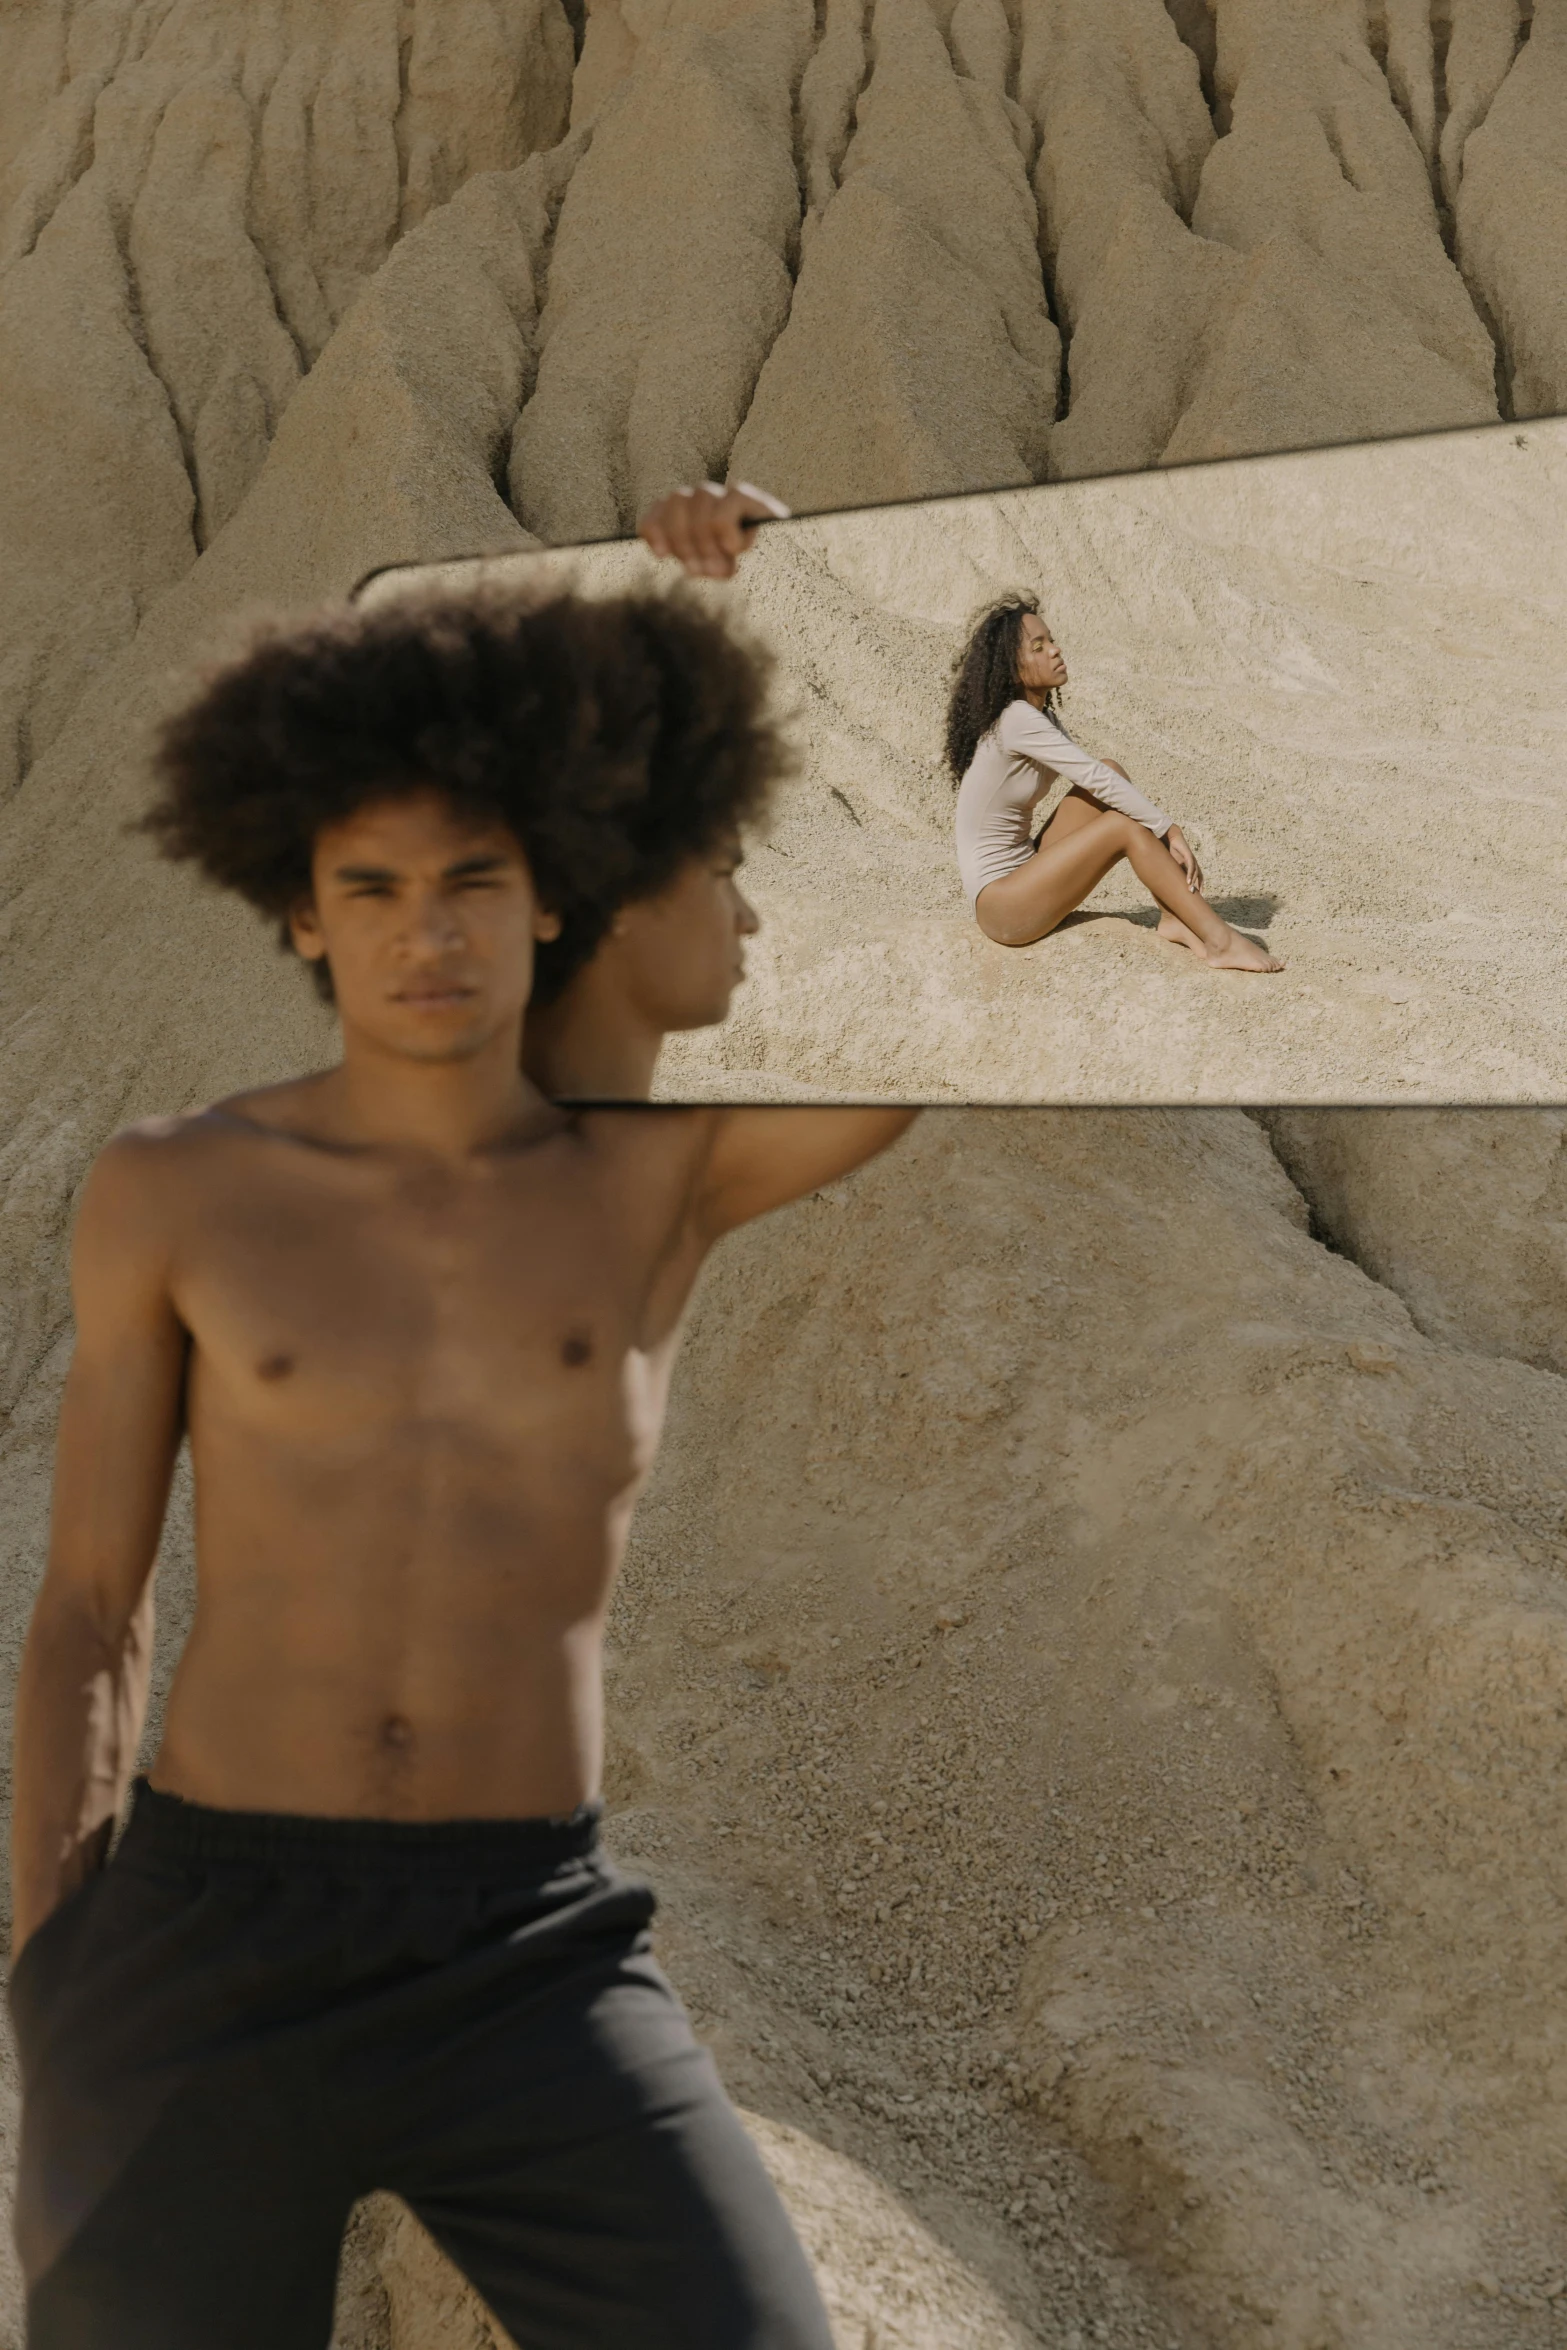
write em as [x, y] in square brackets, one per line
[246, 2022]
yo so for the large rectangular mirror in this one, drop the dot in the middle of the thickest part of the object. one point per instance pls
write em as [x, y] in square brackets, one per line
[1341, 673]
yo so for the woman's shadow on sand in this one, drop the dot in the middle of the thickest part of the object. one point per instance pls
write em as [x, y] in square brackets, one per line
[1244, 914]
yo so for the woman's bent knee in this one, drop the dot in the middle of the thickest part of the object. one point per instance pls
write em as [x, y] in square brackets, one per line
[1011, 934]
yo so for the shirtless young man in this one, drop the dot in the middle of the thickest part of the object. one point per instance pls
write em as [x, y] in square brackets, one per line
[419, 1325]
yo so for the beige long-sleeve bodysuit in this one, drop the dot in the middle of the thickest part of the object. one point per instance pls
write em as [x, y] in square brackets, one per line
[1009, 775]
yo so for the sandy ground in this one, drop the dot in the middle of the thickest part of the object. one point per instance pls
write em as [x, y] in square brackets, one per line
[1343, 672]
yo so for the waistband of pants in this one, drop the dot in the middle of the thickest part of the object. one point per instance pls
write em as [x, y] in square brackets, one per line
[167, 1827]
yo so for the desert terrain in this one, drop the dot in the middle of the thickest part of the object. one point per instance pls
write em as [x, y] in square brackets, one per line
[425, 270]
[1094, 1710]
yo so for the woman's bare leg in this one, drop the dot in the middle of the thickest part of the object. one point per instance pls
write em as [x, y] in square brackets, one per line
[1078, 847]
[1076, 810]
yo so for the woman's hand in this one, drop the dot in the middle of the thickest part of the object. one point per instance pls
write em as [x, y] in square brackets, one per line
[1180, 849]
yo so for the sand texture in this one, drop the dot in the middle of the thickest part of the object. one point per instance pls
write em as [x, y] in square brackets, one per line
[1343, 672]
[879, 250]
[1095, 1724]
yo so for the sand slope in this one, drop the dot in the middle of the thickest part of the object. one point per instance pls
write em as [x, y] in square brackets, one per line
[1465, 1217]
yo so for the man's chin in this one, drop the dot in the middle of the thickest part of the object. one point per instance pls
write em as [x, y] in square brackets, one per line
[712, 1014]
[451, 1034]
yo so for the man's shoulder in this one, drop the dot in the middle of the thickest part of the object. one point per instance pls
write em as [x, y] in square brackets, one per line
[152, 1150]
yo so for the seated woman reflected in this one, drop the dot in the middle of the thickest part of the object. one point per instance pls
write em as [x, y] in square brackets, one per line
[1005, 747]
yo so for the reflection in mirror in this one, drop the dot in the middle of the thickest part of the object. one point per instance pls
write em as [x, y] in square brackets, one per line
[1300, 711]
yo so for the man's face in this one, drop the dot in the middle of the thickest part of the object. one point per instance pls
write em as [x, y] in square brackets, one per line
[681, 954]
[428, 918]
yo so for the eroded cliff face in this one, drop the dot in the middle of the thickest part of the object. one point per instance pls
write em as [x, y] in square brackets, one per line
[192, 196]
[895, 249]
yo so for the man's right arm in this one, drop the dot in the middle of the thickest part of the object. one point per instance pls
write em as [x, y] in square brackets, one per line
[762, 1158]
[82, 1694]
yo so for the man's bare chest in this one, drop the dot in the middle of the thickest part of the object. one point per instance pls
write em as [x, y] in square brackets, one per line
[350, 1305]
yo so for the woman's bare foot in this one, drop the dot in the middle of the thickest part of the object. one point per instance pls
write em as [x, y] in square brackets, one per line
[1242, 954]
[1174, 929]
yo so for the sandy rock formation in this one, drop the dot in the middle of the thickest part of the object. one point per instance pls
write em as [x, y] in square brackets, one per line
[191, 200]
[919, 354]
[1511, 212]
[812, 249]
[1466, 1218]
[1290, 272]
[670, 275]
[1225, 1596]
[889, 2284]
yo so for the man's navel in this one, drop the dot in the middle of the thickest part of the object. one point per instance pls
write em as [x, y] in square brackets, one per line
[396, 1734]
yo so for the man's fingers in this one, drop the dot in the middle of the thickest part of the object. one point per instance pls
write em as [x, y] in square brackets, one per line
[708, 529]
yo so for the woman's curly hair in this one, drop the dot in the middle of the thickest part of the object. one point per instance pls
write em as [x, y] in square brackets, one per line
[985, 679]
[616, 738]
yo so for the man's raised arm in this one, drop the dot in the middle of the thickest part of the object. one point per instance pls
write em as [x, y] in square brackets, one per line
[763, 1158]
[82, 1695]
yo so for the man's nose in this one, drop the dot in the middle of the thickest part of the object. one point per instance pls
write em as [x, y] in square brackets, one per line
[747, 920]
[433, 924]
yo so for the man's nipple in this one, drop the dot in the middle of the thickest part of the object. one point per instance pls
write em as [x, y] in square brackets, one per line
[274, 1367]
[576, 1349]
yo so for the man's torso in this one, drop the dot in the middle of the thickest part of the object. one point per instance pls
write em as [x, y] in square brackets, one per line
[421, 1401]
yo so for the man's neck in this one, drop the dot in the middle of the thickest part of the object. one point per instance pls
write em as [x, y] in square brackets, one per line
[448, 1108]
[580, 1050]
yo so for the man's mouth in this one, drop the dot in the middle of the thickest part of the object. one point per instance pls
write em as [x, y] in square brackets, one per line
[433, 998]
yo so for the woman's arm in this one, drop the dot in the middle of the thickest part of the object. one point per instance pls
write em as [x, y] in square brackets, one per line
[1028, 733]
[1175, 841]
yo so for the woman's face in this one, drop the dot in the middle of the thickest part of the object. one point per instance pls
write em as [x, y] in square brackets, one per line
[1039, 662]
